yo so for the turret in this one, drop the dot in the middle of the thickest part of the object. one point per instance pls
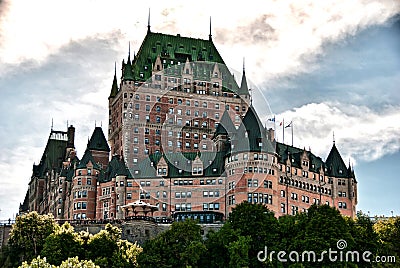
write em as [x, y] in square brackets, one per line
[114, 87]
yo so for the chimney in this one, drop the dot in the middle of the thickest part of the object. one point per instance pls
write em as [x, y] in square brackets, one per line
[271, 134]
[71, 137]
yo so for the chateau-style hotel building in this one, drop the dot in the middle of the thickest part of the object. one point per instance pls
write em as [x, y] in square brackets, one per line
[183, 141]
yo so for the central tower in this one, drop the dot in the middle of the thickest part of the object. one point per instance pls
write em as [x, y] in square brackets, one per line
[171, 97]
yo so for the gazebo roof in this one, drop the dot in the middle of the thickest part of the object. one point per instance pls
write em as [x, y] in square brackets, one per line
[139, 203]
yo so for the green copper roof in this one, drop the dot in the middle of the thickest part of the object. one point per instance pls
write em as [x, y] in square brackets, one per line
[243, 90]
[116, 167]
[52, 157]
[114, 87]
[251, 135]
[335, 164]
[180, 164]
[284, 151]
[86, 158]
[98, 141]
[174, 51]
[225, 125]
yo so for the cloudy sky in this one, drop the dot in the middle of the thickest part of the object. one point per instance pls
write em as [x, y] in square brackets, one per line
[329, 66]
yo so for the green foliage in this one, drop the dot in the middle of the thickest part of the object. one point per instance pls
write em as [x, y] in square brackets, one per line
[239, 252]
[180, 246]
[217, 244]
[388, 233]
[257, 222]
[62, 244]
[126, 254]
[37, 263]
[76, 263]
[70, 262]
[101, 246]
[28, 234]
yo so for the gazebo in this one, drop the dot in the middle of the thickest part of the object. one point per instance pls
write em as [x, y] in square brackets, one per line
[139, 209]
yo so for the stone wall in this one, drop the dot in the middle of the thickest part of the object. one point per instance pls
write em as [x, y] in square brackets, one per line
[133, 231]
[4, 234]
[141, 231]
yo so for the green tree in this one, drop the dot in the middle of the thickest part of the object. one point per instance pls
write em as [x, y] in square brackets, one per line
[180, 246]
[37, 263]
[239, 252]
[76, 263]
[28, 234]
[388, 232]
[217, 243]
[320, 229]
[101, 246]
[62, 244]
[257, 222]
[365, 238]
[126, 254]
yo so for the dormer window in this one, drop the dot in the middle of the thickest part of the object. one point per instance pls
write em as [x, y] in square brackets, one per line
[197, 166]
[162, 171]
[197, 171]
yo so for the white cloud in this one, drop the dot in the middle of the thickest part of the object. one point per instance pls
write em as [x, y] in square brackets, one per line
[360, 133]
[276, 37]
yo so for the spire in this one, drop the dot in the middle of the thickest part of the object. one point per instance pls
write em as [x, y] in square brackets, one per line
[114, 87]
[148, 23]
[98, 141]
[336, 164]
[129, 52]
[210, 35]
[243, 90]
[333, 137]
[127, 72]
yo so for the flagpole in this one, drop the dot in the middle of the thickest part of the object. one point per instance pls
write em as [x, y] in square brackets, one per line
[283, 131]
[292, 132]
[274, 123]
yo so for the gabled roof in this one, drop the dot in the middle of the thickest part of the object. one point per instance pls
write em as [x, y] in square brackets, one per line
[98, 141]
[86, 158]
[116, 167]
[180, 164]
[335, 164]
[251, 135]
[174, 51]
[127, 71]
[284, 151]
[53, 155]
[225, 125]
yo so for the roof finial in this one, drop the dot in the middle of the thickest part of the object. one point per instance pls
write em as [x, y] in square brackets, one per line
[210, 35]
[333, 137]
[95, 124]
[148, 23]
[52, 124]
[115, 68]
[244, 64]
